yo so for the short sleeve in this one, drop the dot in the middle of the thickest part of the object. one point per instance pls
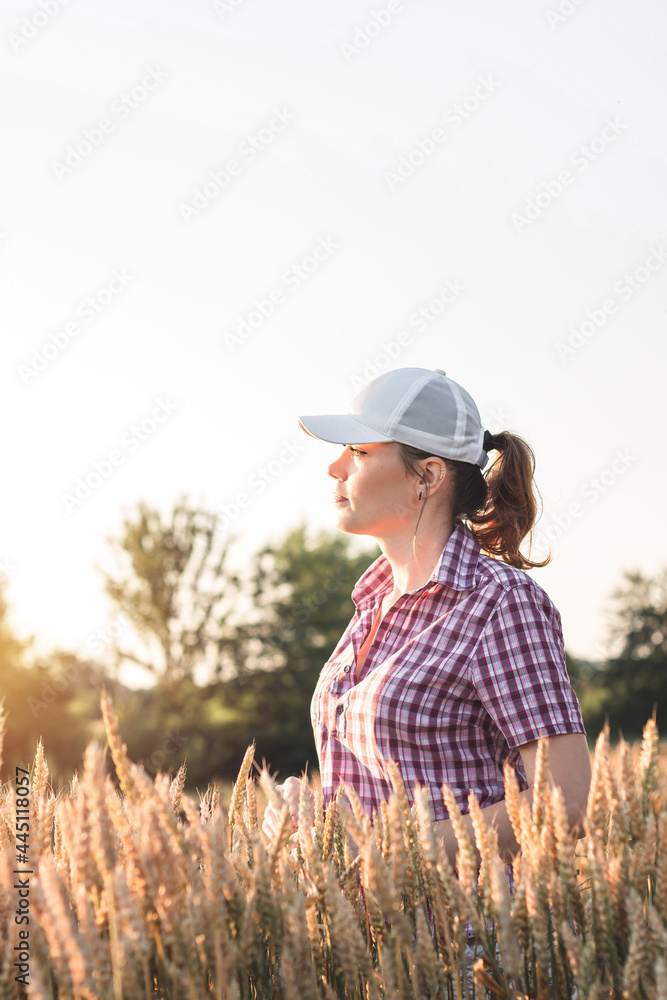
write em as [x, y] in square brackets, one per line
[519, 671]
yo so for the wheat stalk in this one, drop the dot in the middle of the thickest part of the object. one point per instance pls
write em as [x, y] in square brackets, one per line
[142, 894]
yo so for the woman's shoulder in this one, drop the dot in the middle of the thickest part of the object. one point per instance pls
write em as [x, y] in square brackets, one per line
[513, 581]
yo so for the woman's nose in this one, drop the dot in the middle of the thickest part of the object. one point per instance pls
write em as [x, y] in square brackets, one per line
[337, 469]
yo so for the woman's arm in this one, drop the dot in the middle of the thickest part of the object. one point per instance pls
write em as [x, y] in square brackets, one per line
[569, 768]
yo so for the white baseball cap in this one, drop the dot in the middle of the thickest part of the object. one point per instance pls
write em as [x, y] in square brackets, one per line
[415, 406]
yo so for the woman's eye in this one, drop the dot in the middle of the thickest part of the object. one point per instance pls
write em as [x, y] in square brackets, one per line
[357, 451]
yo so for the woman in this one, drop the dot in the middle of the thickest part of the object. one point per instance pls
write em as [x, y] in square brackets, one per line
[453, 661]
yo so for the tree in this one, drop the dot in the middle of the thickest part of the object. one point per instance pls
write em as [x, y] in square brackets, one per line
[633, 682]
[54, 698]
[302, 604]
[234, 659]
[175, 588]
[12, 649]
[640, 626]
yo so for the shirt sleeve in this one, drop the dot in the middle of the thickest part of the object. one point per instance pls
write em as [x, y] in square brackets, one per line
[519, 671]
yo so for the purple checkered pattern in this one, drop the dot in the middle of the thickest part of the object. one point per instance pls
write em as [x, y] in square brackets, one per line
[460, 674]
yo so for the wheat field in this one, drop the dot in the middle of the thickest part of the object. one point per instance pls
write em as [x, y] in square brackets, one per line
[136, 891]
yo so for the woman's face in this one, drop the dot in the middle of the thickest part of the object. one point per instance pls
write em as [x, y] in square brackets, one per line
[374, 495]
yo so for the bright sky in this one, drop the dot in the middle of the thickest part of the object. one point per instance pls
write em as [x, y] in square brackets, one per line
[220, 215]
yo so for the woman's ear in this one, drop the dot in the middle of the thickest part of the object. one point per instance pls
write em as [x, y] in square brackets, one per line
[434, 473]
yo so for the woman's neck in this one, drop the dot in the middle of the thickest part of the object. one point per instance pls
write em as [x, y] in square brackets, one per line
[411, 564]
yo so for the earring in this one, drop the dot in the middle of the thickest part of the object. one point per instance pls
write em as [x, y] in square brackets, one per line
[442, 472]
[420, 495]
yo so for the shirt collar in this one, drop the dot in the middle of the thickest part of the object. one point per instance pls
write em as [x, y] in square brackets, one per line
[456, 568]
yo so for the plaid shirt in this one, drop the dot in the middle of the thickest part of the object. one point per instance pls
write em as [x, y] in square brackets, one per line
[461, 673]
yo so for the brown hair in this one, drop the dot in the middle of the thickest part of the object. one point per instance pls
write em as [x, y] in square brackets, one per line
[498, 506]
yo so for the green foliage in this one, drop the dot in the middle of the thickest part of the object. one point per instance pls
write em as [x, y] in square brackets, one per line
[54, 698]
[174, 586]
[632, 683]
[302, 604]
[235, 658]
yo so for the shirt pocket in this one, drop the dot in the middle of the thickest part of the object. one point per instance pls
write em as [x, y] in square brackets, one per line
[327, 694]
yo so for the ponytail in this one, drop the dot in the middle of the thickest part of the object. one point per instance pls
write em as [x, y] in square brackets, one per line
[498, 506]
[510, 507]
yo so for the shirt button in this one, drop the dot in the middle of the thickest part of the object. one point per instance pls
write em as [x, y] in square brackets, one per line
[340, 710]
[346, 669]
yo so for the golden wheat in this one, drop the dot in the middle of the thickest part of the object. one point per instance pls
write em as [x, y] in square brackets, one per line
[138, 892]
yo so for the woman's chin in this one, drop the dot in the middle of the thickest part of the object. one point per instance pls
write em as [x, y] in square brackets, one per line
[351, 525]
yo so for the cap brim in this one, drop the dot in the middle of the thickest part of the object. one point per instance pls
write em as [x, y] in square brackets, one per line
[341, 429]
